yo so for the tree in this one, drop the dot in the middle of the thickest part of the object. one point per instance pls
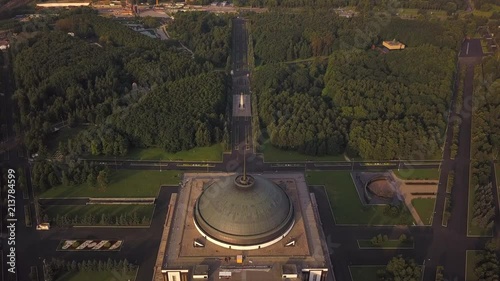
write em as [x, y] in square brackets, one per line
[102, 179]
[91, 180]
[402, 269]
[402, 238]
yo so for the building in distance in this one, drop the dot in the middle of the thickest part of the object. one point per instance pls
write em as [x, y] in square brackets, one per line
[63, 4]
[393, 45]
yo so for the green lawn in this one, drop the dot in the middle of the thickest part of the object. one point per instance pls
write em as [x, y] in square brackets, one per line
[346, 205]
[472, 258]
[210, 153]
[273, 154]
[365, 272]
[417, 174]
[97, 211]
[425, 208]
[123, 183]
[97, 276]
[386, 244]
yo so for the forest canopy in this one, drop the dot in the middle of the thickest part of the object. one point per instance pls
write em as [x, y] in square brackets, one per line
[207, 34]
[452, 5]
[375, 106]
[279, 36]
[360, 100]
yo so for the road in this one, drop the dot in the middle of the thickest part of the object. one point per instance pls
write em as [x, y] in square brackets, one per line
[241, 127]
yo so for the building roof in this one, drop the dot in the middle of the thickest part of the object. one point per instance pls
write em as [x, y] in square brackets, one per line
[59, 4]
[393, 45]
[244, 210]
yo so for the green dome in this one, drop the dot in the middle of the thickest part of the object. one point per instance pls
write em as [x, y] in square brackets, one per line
[244, 211]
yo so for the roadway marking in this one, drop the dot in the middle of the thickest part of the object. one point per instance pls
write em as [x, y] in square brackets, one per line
[467, 52]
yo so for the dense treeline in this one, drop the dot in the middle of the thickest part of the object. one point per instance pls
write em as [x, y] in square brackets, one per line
[485, 140]
[488, 264]
[300, 36]
[485, 5]
[456, 119]
[191, 112]
[395, 103]
[293, 111]
[129, 219]
[448, 33]
[48, 174]
[375, 106]
[96, 140]
[365, 5]
[208, 35]
[319, 33]
[55, 268]
[107, 71]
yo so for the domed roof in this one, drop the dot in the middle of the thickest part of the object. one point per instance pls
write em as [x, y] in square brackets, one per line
[244, 210]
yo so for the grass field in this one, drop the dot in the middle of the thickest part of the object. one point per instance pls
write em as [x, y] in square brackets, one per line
[472, 258]
[98, 210]
[417, 174]
[425, 208]
[97, 276]
[346, 204]
[365, 272]
[123, 183]
[210, 153]
[273, 154]
[386, 244]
